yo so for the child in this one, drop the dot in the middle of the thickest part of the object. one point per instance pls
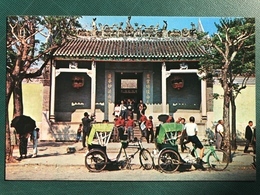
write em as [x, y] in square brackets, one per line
[142, 126]
[79, 132]
[129, 128]
[149, 129]
[34, 137]
[13, 143]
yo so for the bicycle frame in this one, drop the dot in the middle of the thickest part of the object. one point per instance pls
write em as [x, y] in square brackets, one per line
[208, 150]
[103, 133]
[138, 146]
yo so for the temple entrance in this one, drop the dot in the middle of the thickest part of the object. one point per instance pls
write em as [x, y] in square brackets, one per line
[129, 85]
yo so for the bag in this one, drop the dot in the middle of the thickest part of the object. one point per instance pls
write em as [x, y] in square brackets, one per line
[142, 126]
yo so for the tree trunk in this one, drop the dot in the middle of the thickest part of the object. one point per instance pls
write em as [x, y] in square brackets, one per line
[226, 113]
[9, 90]
[233, 123]
[227, 146]
[18, 98]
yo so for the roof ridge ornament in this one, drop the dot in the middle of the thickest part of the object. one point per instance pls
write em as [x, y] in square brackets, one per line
[153, 31]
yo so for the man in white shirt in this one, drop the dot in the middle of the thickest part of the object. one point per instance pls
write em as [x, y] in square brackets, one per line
[219, 130]
[191, 130]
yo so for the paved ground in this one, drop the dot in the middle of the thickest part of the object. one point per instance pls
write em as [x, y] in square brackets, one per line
[54, 163]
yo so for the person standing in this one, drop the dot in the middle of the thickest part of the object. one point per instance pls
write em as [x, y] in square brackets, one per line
[183, 135]
[248, 136]
[141, 107]
[23, 143]
[86, 121]
[121, 127]
[130, 108]
[149, 130]
[219, 131]
[34, 137]
[123, 109]
[13, 139]
[142, 125]
[79, 132]
[115, 130]
[129, 128]
[117, 110]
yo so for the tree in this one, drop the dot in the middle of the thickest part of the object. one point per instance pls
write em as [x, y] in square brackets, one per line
[24, 50]
[230, 53]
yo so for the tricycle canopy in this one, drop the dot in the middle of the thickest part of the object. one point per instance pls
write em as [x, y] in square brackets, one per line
[103, 132]
[168, 128]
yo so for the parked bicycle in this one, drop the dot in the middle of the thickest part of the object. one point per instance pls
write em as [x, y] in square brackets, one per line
[97, 159]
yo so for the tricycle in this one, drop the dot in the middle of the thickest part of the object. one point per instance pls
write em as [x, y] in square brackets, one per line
[96, 158]
[170, 160]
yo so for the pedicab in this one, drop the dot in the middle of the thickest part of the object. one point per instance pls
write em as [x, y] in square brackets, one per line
[96, 159]
[169, 159]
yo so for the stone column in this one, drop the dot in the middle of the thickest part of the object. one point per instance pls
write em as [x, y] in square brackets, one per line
[53, 79]
[203, 99]
[165, 75]
[93, 86]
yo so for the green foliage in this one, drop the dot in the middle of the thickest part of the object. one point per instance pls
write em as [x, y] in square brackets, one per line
[232, 47]
[59, 29]
[30, 38]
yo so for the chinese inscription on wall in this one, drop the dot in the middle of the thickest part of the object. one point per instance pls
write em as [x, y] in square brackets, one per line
[148, 87]
[109, 87]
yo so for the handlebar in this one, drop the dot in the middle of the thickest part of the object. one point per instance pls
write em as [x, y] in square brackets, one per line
[210, 141]
[136, 143]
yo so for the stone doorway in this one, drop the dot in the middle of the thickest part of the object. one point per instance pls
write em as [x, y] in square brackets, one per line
[128, 85]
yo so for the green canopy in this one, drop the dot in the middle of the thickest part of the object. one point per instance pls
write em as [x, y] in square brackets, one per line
[101, 127]
[168, 127]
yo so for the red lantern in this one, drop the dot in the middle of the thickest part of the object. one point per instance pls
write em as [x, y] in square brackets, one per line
[177, 82]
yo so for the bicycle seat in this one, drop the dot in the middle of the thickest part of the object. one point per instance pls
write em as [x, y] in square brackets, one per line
[124, 143]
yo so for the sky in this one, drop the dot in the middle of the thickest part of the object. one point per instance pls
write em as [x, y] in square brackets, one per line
[173, 22]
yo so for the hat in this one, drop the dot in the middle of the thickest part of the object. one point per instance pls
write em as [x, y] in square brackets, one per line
[86, 114]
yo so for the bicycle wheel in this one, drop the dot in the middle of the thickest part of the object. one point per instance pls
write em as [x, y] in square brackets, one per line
[146, 159]
[95, 160]
[169, 161]
[218, 160]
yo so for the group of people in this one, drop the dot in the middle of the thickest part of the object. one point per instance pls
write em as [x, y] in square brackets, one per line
[127, 108]
[22, 141]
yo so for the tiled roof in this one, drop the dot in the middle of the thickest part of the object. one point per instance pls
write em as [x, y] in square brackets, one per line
[123, 49]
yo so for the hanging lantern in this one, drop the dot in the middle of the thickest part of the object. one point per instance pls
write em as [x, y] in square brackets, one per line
[77, 82]
[177, 82]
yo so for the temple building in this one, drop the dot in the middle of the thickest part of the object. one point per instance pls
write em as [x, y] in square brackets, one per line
[107, 64]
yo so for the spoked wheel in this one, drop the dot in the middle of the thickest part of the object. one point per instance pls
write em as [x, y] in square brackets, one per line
[95, 160]
[169, 161]
[146, 159]
[218, 160]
